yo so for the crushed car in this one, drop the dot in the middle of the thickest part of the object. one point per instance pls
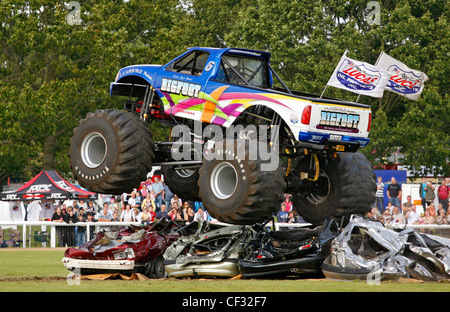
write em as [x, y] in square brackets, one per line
[213, 251]
[131, 249]
[367, 250]
[251, 251]
[294, 252]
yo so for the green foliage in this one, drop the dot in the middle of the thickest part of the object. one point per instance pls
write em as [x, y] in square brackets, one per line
[53, 73]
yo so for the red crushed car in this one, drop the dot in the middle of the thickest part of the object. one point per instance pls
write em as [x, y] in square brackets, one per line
[133, 249]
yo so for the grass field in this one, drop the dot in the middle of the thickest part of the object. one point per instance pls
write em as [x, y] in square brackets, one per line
[37, 270]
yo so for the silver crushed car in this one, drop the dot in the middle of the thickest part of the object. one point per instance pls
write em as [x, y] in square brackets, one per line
[210, 252]
[365, 250]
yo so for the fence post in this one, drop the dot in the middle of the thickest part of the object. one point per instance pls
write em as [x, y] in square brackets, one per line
[24, 235]
[52, 236]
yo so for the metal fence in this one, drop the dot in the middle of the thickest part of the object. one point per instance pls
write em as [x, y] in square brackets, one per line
[50, 236]
[93, 227]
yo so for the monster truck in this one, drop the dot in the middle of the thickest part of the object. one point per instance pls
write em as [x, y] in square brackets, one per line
[240, 139]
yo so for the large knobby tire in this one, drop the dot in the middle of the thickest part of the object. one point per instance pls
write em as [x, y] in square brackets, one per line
[111, 152]
[182, 182]
[348, 187]
[236, 189]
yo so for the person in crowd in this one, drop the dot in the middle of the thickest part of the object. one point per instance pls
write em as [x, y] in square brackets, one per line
[429, 193]
[422, 192]
[135, 213]
[144, 190]
[174, 214]
[379, 195]
[90, 207]
[441, 215]
[146, 216]
[149, 183]
[133, 201]
[282, 215]
[407, 205]
[127, 214]
[81, 231]
[432, 209]
[104, 215]
[202, 215]
[386, 216]
[394, 192]
[70, 231]
[397, 216]
[428, 218]
[91, 218]
[175, 199]
[113, 207]
[167, 195]
[412, 216]
[287, 202]
[176, 207]
[64, 209]
[162, 214]
[292, 218]
[186, 205]
[124, 199]
[59, 217]
[81, 213]
[115, 218]
[389, 207]
[75, 211]
[82, 204]
[158, 188]
[375, 214]
[189, 215]
[149, 201]
[443, 192]
[138, 198]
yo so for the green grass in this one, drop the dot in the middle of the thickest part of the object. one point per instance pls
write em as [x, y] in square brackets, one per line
[31, 270]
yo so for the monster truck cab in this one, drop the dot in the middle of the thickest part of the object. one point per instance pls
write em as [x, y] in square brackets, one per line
[216, 85]
[317, 138]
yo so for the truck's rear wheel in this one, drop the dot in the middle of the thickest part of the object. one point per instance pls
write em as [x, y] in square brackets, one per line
[346, 185]
[235, 189]
[111, 152]
[182, 182]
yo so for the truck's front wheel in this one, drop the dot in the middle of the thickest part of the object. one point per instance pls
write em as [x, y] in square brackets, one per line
[111, 152]
[237, 189]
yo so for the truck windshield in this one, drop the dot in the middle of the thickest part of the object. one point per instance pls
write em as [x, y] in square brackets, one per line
[192, 64]
[244, 70]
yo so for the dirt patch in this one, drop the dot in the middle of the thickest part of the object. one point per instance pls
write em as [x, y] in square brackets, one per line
[32, 278]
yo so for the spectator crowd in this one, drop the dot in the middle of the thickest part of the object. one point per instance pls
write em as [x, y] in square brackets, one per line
[407, 213]
[154, 200]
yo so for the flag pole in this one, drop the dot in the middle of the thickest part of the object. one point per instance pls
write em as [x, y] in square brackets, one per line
[358, 98]
[323, 91]
[345, 54]
[379, 56]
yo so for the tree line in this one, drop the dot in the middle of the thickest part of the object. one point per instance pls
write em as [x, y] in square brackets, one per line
[58, 58]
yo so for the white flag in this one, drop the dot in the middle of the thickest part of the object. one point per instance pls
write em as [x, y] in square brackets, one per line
[403, 80]
[359, 77]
